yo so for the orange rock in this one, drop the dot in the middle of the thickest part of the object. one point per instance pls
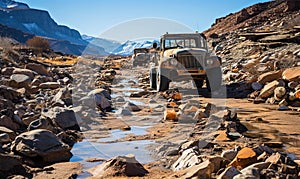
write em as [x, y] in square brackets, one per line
[170, 115]
[172, 104]
[177, 96]
[222, 137]
[297, 94]
[245, 157]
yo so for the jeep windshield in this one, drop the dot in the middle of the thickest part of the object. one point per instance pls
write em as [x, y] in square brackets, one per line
[183, 42]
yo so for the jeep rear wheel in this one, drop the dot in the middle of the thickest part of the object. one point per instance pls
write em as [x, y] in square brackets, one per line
[153, 78]
[162, 82]
[213, 79]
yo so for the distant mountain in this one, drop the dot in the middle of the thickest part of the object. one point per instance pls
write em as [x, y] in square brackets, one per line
[7, 4]
[108, 45]
[126, 49]
[38, 22]
[18, 35]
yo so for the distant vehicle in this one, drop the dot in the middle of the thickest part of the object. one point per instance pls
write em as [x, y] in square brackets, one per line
[185, 56]
[140, 57]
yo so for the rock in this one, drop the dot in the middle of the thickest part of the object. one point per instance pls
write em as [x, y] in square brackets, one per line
[222, 136]
[119, 166]
[20, 81]
[41, 147]
[131, 107]
[26, 72]
[261, 149]
[268, 89]
[38, 68]
[275, 158]
[139, 94]
[8, 71]
[244, 157]
[63, 117]
[40, 124]
[229, 154]
[229, 173]
[291, 74]
[188, 158]
[279, 93]
[123, 112]
[293, 84]
[49, 85]
[9, 162]
[202, 170]
[63, 94]
[269, 76]
[265, 59]
[101, 97]
[256, 86]
[8, 123]
[200, 114]
[170, 115]
[218, 163]
[297, 94]
[250, 173]
[4, 138]
[10, 133]
[283, 108]
[259, 166]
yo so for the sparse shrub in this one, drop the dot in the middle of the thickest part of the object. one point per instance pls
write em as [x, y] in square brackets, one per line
[38, 44]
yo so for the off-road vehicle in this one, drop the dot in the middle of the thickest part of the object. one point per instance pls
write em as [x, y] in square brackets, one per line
[185, 57]
[140, 57]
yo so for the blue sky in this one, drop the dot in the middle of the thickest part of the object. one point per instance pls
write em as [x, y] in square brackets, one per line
[96, 17]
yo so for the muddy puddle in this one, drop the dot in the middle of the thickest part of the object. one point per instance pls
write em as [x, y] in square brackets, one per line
[106, 148]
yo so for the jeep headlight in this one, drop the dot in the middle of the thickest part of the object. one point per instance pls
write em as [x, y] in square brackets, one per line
[173, 62]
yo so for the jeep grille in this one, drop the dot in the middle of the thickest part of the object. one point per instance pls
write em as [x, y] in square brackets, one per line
[191, 61]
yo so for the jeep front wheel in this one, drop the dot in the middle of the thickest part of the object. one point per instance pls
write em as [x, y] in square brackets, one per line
[153, 78]
[162, 82]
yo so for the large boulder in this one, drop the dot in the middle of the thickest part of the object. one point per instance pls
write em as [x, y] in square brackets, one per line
[119, 166]
[63, 117]
[41, 147]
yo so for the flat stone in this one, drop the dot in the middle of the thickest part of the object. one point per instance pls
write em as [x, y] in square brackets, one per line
[38, 68]
[268, 89]
[26, 72]
[49, 85]
[269, 76]
[170, 115]
[20, 78]
[291, 74]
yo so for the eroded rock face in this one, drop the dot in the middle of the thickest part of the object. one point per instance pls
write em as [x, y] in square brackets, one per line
[41, 147]
[119, 166]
